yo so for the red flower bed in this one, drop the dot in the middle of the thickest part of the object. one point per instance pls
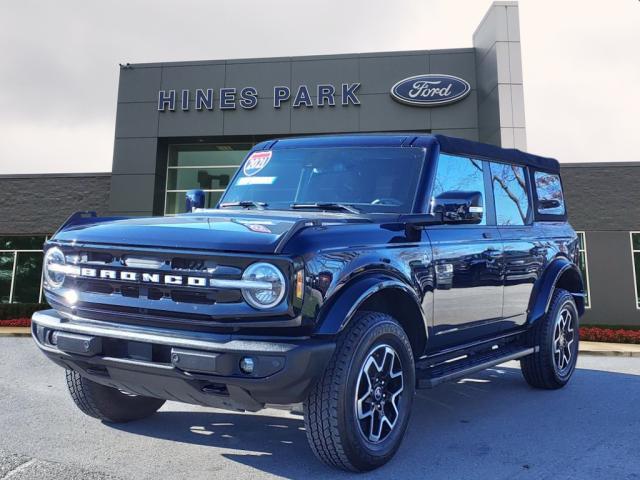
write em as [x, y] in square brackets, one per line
[597, 334]
[16, 322]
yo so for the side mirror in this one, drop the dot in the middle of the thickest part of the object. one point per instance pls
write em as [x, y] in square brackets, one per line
[194, 199]
[459, 207]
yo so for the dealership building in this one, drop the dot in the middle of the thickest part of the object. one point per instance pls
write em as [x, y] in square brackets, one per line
[185, 125]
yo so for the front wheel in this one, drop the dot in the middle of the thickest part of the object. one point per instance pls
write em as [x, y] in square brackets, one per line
[357, 413]
[109, 404]
[557, 337]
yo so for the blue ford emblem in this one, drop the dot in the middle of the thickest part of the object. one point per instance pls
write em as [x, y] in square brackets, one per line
[430, 90]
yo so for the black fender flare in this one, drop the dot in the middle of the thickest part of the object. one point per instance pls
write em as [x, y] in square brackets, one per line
[336, 314]
[560, 271]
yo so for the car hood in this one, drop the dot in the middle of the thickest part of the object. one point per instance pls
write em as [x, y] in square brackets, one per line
[234, 230]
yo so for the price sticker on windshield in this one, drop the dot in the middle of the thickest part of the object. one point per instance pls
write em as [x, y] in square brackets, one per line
[256, 162]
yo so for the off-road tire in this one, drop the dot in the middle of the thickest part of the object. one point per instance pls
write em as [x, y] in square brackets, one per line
[329, 414]
[539, 369]
[108, 404]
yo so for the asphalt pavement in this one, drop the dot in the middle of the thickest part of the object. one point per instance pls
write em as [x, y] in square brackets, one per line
[488, 426]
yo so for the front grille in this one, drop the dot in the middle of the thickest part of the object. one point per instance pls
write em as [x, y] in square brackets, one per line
[163, 288]
[95, 287]
[186, 296]
[131, 292]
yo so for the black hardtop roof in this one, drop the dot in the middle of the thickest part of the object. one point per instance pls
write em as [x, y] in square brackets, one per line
[447, 144]
[461, 146]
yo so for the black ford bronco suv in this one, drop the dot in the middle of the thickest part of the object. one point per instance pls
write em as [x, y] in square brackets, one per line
[343, 272]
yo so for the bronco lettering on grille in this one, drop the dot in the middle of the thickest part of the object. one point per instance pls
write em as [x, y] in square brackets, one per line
[144, 277]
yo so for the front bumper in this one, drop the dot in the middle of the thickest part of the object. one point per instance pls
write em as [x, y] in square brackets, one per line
[191, 367]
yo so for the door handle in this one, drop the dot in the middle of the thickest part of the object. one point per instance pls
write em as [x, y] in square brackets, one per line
[487, 235]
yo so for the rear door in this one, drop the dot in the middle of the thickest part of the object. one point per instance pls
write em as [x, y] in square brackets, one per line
[467, 261]
[524, 246]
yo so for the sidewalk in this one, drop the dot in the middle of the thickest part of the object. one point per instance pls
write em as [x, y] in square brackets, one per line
[610, 349]
[586, 348]
[15, 331]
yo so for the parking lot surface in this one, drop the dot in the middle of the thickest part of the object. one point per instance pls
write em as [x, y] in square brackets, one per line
[490, 425]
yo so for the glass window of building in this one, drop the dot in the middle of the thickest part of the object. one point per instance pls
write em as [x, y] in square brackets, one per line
[510, 193]
[549, 192]
[21, 269]
[584, 266]
[459, 173]
[635, 252]
[206, 167]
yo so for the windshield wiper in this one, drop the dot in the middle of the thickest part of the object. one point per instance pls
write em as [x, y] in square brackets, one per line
[244, 204]
[326, 206]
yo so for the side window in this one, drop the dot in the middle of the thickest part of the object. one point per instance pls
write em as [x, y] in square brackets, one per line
[510, 193]
[459, 173]
[549, 192]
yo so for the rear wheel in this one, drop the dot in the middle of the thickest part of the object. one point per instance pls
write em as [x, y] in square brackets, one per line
[357, 413]
[557, 336]
[109, 404]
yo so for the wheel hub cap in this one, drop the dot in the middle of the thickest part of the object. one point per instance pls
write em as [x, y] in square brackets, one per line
[378, 393]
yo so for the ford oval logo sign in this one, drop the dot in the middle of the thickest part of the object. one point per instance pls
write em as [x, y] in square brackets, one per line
[430, 90]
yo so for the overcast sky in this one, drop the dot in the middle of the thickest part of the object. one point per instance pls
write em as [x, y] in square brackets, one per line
[59, 63]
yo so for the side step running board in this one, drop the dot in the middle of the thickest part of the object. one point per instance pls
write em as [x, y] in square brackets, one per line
[433, 375]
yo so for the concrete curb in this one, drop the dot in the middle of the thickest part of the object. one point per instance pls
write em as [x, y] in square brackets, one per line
[15, 332]
[600, 353]
[610, 349]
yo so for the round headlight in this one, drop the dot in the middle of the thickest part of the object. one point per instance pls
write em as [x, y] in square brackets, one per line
[54, 263]
[265, 285]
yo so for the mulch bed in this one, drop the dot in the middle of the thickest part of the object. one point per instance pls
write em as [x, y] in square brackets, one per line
[16, 322]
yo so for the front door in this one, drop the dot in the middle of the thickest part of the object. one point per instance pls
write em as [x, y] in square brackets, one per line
[467, 262]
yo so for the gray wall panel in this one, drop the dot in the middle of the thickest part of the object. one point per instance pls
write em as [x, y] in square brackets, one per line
[515, 62]
[462, 114]
[199, 76]
[264, 119]
[379, 74]
[334, 71]
[135, 155]
[461, 65]
[325, 119]
[493, 28]
[489, 117]
[132, 193]
[497, 44]
[263, 76]
[191, 123]
[487, 73]
[380, 113]
[139, 84]
[517, 105]
[137, 120]
[613, 297]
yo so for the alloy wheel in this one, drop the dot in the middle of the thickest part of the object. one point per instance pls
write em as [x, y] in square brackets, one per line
[378, 393]
[564, 341]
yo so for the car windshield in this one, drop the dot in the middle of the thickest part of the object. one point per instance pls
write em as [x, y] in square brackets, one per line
[349, 179]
